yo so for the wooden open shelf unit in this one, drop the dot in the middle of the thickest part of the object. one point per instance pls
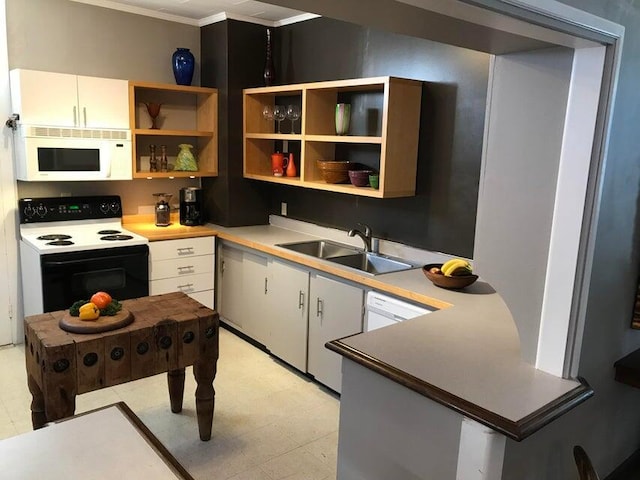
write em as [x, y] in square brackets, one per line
[188, 115]
[385, 126]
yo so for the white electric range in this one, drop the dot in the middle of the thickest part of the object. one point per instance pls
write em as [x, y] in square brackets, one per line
[72, 247]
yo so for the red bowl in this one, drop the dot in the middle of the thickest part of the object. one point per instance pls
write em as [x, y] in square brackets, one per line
[451, 283]
[360, 178]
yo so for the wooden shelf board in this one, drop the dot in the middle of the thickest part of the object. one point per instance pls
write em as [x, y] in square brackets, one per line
[270, 178]
[169, 87]
[278, 89]
[343, 139]
[171, 133]
[274, 136]
[174, 174]
[361, 84]
[343, 188]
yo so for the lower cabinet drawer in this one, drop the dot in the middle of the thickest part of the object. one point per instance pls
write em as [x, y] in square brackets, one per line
[187, 284]
[181, 267]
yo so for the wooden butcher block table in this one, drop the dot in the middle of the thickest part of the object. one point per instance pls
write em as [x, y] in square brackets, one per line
[169, 333]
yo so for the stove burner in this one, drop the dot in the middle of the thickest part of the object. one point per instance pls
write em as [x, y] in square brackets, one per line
[108, 232]
[60, 242]
[116, 237]
[54, 236]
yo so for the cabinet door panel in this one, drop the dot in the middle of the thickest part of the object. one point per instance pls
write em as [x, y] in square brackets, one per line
[103, 102]
[231, 298]
[45, 98]
[255, 289]
[288, 309]
[335, 311]
[187, 284]
[182, 248]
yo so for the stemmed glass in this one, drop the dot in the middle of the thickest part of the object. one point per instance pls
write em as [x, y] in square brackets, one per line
[293, 114]
[267, 112]
[279, 114]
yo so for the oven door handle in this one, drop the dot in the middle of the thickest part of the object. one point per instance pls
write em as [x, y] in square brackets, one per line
[54, 263]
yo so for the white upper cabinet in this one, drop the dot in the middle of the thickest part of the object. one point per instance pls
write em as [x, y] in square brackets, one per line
[64, 100]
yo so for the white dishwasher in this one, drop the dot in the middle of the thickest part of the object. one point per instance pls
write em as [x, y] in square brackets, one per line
[383, 310]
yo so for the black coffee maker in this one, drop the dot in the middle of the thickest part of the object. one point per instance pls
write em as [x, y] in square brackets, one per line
[191, 206]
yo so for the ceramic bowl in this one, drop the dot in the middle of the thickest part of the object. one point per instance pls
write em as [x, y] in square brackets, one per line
[333, 171]
[360, 178]
[442, 281]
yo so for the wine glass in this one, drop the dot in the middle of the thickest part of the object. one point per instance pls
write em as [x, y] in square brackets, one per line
[293, 114]
[279, 114]
[267, 112]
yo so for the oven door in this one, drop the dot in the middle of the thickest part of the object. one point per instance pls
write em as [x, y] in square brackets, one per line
[123, 272]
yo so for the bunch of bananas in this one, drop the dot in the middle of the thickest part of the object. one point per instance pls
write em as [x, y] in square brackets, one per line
[454, 268]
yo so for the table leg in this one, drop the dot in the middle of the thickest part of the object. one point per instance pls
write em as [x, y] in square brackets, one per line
[175, 379]
[204, 371]
[38, 416]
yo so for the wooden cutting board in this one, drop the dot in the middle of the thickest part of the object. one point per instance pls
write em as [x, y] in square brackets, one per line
[103, 324]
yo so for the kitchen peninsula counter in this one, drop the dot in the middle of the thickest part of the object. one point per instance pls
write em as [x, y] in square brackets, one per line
[465, 356]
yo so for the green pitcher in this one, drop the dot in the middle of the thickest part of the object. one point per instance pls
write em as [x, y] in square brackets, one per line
[186, 162]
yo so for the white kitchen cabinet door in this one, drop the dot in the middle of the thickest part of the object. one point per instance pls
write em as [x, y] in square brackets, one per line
[255, 287]
[45, 98]
[335, 311]
[103, 102]
[288, 313]
[231, 298]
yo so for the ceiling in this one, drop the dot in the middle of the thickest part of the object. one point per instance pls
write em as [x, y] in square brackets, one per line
[205, 12]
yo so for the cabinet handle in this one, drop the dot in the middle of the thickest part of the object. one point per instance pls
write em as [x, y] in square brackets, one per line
[319, 306]
[185, 251]
[222, 268]
[187, 285]
[75, 117]
[300, 300]
[265, 286]
[84, 112]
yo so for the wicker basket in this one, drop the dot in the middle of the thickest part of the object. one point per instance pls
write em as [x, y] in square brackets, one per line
[334, 171]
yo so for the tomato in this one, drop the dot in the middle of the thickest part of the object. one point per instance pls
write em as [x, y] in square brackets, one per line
[101, 299]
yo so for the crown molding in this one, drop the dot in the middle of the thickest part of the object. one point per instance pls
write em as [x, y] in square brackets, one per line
[219, 17]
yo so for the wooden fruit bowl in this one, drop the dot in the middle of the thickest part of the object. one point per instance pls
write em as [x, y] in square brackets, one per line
[442, 281]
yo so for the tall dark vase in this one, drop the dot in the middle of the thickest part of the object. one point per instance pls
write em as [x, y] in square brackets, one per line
[269, 70]
[183, 63]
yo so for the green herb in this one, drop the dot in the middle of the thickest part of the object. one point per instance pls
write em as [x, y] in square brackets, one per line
[112, 309]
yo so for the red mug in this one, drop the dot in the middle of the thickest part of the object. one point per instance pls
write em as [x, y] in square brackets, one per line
[277, 164]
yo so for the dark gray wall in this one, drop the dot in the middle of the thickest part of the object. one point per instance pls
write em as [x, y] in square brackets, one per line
[441, 216]
[608, 425]
[232, 59]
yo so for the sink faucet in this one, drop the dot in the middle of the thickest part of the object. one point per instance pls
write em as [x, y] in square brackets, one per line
[366, 236]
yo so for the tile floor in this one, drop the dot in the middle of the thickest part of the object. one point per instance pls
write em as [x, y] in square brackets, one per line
[269, 422]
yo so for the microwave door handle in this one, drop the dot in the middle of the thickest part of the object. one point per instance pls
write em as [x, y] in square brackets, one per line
[107, 169]
[84, 113]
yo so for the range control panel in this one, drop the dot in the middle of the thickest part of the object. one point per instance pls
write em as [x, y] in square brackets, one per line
[61, 209]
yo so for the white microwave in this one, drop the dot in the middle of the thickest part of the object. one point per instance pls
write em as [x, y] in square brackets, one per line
[72, 154]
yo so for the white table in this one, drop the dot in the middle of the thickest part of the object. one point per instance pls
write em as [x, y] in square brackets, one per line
[107, 443]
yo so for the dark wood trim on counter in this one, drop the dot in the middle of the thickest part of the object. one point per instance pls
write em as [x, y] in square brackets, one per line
[518, 430]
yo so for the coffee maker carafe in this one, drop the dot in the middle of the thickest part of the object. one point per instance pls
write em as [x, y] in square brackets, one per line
[163, 209]
[191, 206]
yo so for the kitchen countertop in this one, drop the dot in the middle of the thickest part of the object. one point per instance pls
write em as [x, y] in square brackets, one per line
[145, 225]
[465, 356]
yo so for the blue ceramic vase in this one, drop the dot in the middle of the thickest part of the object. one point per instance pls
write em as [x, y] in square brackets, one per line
[183, 62]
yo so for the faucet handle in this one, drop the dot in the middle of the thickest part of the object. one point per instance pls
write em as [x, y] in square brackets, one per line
[367, 229]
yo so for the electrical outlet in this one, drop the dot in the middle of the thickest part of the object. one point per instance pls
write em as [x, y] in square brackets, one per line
[283, 209]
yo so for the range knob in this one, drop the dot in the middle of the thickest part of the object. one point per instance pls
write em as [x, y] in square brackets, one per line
[104, 207]
[29, 211]
[41, 210]
[115, 207]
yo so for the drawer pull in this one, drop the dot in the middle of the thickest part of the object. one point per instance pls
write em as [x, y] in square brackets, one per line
[185, 286]
[186, 267]
[185, 250]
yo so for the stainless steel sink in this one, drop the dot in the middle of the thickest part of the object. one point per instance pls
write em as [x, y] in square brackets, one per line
[320, 248]
[372, 263]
